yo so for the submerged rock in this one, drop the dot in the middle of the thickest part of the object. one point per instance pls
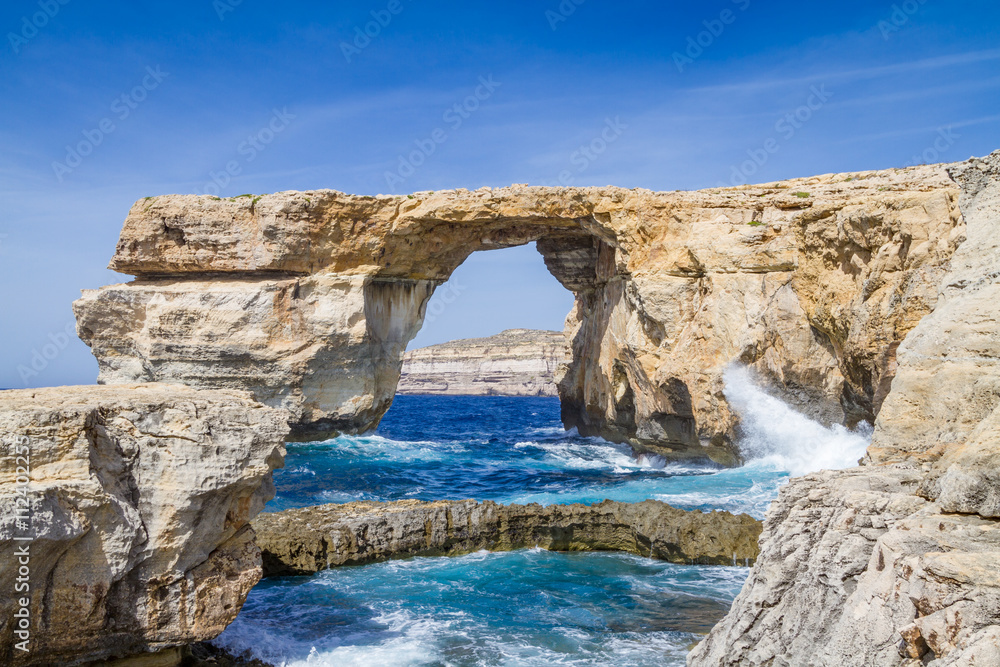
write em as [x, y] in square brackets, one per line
[126, 515]
[308, 299]
[516, 362]
[302, 541]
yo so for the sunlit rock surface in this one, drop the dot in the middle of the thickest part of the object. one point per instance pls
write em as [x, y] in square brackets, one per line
[308, 299]
[139, 503]
[896, 562]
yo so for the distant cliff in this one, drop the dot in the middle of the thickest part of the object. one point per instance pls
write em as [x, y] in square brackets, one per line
[516, 362]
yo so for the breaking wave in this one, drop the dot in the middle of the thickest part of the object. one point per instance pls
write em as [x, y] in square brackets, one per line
[776, 436]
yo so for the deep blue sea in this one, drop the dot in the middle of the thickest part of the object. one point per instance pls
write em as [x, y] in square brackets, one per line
[529, 607]
[511, 450]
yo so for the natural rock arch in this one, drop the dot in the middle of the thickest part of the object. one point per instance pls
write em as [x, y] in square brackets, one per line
[308, 299]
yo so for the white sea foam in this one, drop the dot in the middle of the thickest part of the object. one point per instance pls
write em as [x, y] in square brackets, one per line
[339, 497]
[556, 431]
[668, 648]
[411, 640]
[591, 454]
[432, 630]
[414, 645]
[775, 435]
[378, 447]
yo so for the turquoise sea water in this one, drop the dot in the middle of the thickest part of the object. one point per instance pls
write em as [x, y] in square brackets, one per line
[529, 607]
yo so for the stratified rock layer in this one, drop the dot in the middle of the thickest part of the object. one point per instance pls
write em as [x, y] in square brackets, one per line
[311, 539]
[308, 299]
[896, 562]
[139, 503]
[516, 362]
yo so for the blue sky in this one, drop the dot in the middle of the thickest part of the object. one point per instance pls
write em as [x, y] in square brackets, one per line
[165, 97]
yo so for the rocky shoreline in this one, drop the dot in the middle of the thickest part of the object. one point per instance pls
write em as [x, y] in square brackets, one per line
[128, 531]
[894, 563]
[871, 295]
[307, 540]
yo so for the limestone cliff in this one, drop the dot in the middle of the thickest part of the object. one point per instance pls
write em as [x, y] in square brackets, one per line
[134, 504]
[308, 299]
[311, 539]
[895, 562]
[516, 362]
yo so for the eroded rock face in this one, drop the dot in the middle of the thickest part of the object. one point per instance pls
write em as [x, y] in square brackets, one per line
[302, 541]
[516, 362]
[895, 563]
[140, 500]
[308, 299]
[948, 380]
[326, 348]
[855, 569]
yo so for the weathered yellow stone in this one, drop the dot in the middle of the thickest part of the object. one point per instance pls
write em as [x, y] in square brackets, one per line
[896, 562]
[308, 299]
[141, 498]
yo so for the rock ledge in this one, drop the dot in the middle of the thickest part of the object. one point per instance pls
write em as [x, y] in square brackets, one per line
[310, 539]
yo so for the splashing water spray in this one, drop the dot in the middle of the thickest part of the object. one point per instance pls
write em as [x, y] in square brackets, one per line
[775, 435]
